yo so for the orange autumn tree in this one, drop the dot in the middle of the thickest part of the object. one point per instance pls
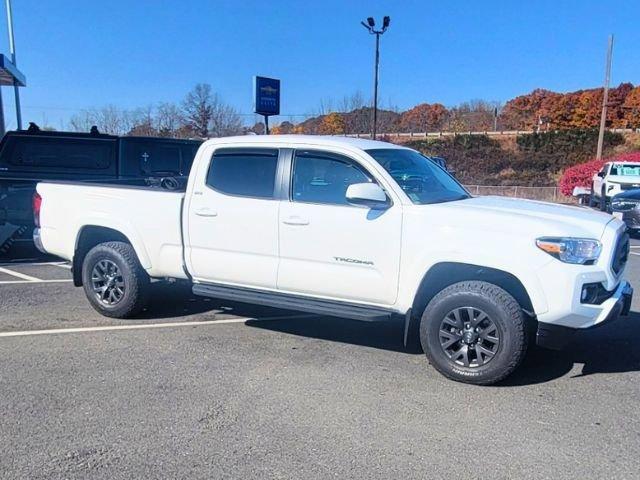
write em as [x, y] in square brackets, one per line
[332, 124]
[580, 109]
[631, 109]
[424, 118]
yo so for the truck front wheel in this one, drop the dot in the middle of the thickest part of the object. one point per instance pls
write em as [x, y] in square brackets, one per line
[474, 332]
[114, 281]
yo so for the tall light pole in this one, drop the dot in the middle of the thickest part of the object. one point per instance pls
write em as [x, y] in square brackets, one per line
[370, 26]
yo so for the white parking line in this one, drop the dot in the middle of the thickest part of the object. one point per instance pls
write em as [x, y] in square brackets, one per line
[224, 321]
[33, 282]
[634, 253]
[64, 265]
[19, 275]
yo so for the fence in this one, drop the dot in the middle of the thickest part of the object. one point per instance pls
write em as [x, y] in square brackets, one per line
[547, 194]
[499, 133]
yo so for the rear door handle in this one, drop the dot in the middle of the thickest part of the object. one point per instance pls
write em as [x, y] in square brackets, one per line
[295, 220]
[206, 212]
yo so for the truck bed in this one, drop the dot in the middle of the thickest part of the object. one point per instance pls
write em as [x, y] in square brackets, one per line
[152, 222]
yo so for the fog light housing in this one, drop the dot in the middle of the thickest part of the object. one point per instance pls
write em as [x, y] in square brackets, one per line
[594, 293]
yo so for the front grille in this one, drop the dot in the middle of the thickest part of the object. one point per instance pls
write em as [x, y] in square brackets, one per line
[629, 186]
[620, 254]
[622, 206]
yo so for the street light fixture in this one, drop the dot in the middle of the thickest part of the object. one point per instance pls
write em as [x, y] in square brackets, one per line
[370, 26]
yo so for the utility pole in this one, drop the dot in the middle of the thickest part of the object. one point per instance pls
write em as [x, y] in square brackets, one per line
[370, 27]
[605, 98]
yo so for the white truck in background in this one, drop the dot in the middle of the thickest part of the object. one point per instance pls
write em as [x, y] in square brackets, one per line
[612, 179]
[351, 228]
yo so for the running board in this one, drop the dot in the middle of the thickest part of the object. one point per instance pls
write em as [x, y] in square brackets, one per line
[293, 302]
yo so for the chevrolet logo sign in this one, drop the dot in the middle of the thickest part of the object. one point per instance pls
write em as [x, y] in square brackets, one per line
[269, 90]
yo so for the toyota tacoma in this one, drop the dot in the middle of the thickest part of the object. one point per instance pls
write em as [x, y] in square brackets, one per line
[351, 228]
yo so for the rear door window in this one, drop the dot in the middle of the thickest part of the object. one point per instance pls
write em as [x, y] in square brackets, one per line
[244, 173]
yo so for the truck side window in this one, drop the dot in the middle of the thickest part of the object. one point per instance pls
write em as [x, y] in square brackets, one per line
[324, 178]
[246, 173]
[54, 154]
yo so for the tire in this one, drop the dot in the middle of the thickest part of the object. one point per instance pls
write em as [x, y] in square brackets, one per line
[500, 330]
[115, 283]
[603, 200]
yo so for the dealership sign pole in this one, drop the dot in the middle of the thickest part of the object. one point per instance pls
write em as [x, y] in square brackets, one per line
[266, 98]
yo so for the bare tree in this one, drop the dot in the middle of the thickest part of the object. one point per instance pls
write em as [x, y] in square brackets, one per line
[142, 122]
[357, 115]
[352, 102]
[81, 121]
[109, 119]
[197, 109]
[206, 114]
[168, 121]
[224, 120]
[326, 106]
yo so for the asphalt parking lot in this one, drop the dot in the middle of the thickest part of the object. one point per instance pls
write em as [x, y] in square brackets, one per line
[199, 389]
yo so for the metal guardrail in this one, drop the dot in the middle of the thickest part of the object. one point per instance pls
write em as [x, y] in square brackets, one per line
[547, 194]
[453, 134]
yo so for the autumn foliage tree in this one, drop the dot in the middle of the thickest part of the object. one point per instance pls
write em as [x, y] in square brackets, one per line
[631, 108]
[424, 118]
[580, 109]
[332, 124]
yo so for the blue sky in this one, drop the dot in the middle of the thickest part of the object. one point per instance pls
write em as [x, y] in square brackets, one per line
[79, 54]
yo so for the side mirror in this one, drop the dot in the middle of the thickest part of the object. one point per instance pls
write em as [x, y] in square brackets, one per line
[367, 194]
[601, 174]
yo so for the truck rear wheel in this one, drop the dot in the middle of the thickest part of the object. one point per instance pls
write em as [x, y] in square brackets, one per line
[474, 332]
[114, 281]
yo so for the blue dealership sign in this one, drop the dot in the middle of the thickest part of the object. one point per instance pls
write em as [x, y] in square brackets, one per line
[266, 96]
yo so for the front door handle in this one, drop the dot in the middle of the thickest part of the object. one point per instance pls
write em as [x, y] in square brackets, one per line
[295, 220]
[206, 212]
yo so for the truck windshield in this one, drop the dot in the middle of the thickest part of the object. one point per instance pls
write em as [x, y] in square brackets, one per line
[626, 170]
[421, 179]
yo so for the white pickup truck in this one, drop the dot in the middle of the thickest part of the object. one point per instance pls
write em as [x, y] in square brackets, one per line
[612, 179]
[351, 228]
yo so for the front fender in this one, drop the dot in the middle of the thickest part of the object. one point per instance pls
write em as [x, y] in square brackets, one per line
[411, 278]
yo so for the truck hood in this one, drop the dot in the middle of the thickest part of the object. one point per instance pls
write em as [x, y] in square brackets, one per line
[624, 179]
[526, 217]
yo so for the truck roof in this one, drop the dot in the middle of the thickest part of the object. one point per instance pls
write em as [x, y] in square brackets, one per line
[320, 140]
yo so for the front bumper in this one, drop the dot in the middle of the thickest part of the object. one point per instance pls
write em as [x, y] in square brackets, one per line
[556, 336]
[630, 217]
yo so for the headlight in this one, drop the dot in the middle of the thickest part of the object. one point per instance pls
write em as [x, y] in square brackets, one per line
[571, 250]
[624, 204]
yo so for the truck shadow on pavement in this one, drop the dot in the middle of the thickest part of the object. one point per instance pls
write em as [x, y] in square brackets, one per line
[607, 349]
[175, 300]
